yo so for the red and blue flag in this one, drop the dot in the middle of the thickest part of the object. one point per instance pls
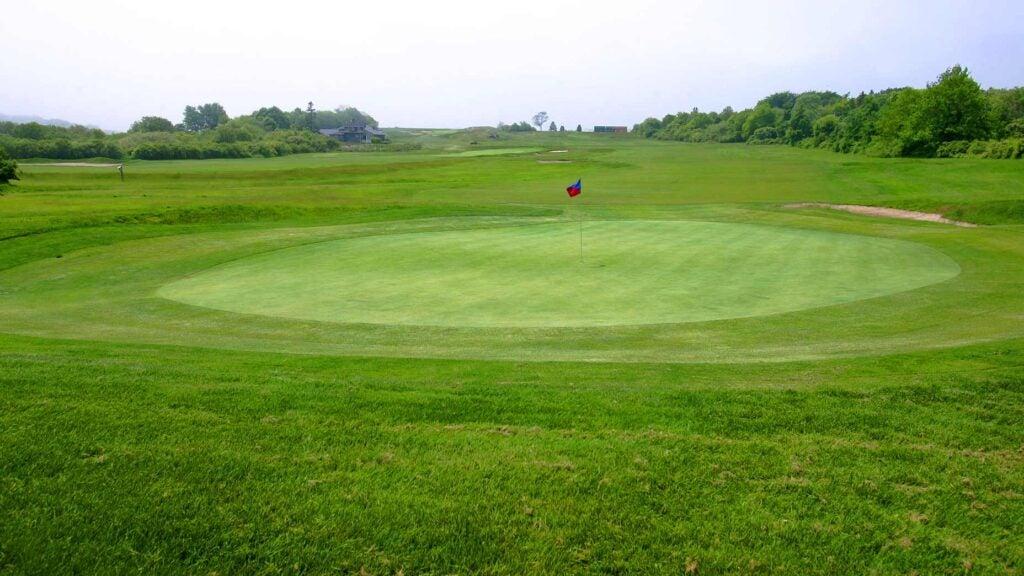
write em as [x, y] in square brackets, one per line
[575, 189]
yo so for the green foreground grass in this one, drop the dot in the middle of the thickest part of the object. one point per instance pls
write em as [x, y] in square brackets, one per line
[157, 459]
[141, 434]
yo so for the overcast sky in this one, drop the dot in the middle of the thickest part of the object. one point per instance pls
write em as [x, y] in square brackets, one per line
[448, 63]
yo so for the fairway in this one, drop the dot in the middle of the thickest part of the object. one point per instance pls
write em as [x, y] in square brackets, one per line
[628, 272]
[398, 363]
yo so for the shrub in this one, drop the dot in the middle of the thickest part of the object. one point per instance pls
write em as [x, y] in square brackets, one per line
[954, 149]
[764, 135]
[8, 167]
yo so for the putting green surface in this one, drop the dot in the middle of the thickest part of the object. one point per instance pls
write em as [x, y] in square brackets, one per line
[632, 272]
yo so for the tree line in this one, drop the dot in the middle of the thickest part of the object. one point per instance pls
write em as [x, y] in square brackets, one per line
[951, 117]
[538, 120]
[206, 131]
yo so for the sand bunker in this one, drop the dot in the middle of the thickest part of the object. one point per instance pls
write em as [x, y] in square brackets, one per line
[883, 212]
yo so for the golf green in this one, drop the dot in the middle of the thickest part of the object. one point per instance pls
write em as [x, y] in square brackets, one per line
[631, 272]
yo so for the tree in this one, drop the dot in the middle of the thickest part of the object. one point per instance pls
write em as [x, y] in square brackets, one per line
[561, 128]
[579, 127]
[762, 116]
[805, 112]
[193, 120]
[1007, 111]
[299, 119]
[312, 115]
[30, 130]
[825, 128]
[272, 118]
[647, 128]
[239, 130]
[343, 116]
[781, 100]
[553, 127]
[8, 167]
[539, 119]
[204, 117]
[516, 127]
[152, 124]
[903, 128]
[955, 108]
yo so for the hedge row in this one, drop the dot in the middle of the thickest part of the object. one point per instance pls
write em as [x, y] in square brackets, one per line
[1012, 149]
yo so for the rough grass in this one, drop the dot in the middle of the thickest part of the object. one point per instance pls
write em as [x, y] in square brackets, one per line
[143, 435]
[160, 459]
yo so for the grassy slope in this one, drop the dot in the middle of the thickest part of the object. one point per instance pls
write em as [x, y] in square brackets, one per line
[121, 457]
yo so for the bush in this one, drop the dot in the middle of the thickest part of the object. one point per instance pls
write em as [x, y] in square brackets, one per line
[300, 141]
[1004, 149]
[60, 149]
[1009, 149]
[954, 149]
[8, 167]
[764, 135]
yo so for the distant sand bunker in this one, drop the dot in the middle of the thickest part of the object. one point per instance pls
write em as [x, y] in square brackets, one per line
[884, 212]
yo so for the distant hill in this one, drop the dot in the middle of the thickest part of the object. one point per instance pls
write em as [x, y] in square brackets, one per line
[47, 121]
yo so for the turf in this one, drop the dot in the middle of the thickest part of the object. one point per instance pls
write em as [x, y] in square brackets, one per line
[532, 275]
[874, 435]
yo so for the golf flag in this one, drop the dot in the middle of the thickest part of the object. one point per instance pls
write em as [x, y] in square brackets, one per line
[575, 189]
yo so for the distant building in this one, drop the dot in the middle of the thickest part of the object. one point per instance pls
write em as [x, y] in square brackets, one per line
[611, 129]
[355, 132]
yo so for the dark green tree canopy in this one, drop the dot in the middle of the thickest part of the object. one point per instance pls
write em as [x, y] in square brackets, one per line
[952, 116]
[272, 118]
[299, 119]
[267, 132]
[1007, 112]
[204, 117]
[521, 126]
[152, 124]
[781, 100]
[343, 116]
[32, 131]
